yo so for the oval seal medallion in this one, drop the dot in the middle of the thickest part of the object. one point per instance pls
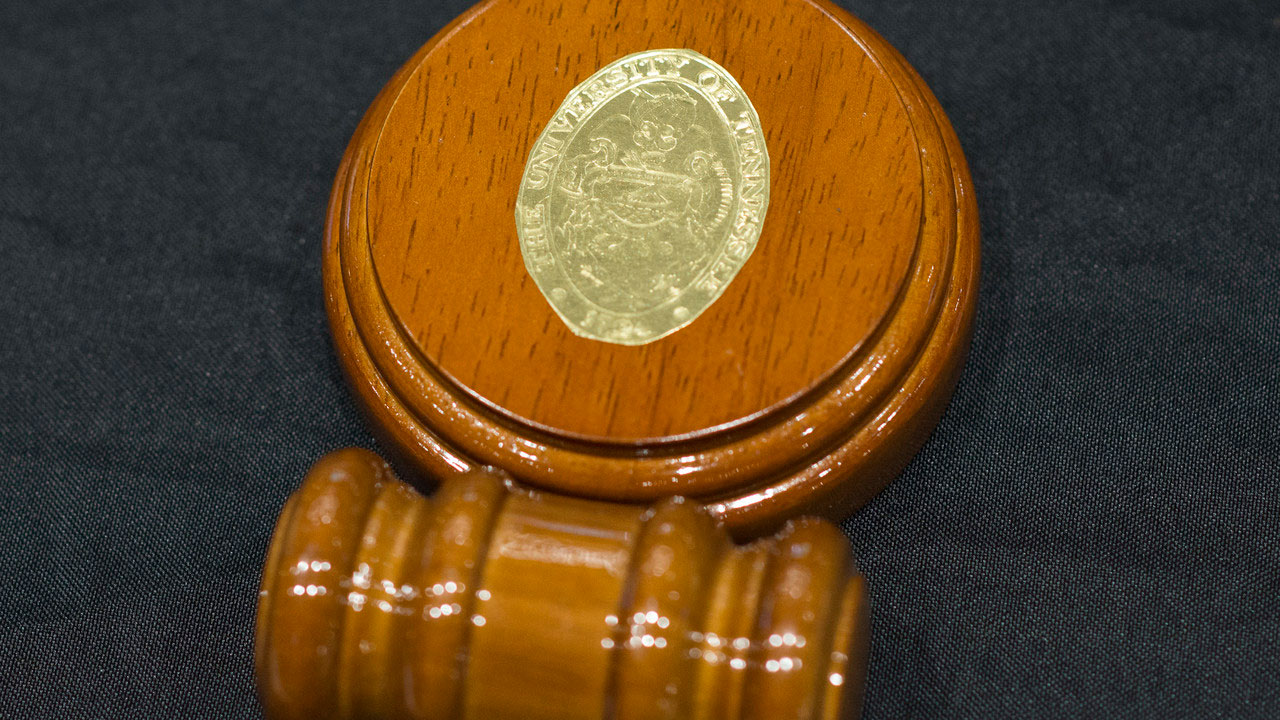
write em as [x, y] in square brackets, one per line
[644, 196]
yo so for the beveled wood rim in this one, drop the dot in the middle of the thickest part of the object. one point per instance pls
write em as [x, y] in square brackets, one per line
[797, 458]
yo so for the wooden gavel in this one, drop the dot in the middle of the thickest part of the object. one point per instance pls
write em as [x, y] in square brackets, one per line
[489, 600]
[582, 261]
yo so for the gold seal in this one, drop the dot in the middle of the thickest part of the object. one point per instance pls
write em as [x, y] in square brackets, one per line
[644, 196]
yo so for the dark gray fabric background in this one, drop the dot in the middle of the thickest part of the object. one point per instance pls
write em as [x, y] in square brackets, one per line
[1093, 531]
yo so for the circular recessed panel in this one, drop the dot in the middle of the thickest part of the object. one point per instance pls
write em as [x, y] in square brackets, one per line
[836, 249]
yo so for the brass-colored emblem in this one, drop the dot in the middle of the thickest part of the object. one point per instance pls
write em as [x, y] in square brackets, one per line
[644, 196]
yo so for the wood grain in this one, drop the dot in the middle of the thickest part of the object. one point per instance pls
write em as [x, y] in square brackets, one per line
[490, 602]
[836, 247]
[804, 389]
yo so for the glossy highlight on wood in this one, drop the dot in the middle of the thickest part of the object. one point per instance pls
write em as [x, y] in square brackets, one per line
[804, 389]
[493, 602]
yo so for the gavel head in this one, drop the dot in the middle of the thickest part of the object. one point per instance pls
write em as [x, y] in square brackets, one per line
[488, 601]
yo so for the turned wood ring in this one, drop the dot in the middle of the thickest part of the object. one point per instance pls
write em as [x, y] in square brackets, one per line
[805, 388]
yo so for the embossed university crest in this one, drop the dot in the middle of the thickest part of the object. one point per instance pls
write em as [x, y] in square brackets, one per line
[644, 196]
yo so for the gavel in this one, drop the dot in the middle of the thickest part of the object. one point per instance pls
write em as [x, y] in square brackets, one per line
[490, 600]
[649, 293]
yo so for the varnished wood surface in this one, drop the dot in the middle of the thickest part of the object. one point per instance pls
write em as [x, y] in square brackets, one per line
[489, 602]
[827, 448]
[838, 240]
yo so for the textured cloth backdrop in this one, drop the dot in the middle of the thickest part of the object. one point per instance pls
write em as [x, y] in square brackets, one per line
[1093, 531]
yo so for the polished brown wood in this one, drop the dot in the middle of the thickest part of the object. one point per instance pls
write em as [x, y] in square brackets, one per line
[494, 602]
[805, 389]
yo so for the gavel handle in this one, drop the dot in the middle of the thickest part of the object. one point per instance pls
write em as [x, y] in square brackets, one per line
[489, 601]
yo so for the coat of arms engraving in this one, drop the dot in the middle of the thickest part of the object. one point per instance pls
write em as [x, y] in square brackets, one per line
[644, 196]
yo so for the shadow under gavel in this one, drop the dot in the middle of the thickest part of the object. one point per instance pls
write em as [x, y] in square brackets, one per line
[489, 601]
